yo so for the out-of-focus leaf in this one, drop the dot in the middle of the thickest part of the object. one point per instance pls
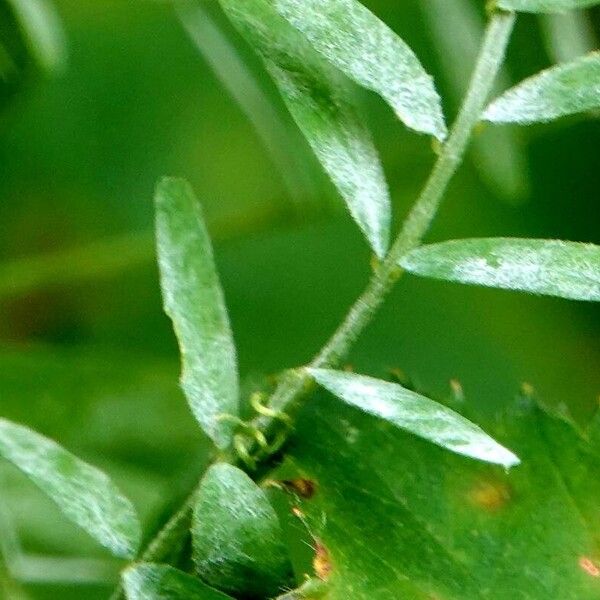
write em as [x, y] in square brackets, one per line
[147, 581]
[237, 538]
[83, 493]
[545, 6]
[43, 32]
[549, 267]
[278, 135]
[194, 300]
[568, 36]
[497, 152]
[561, 90]
[401, 518]
[320, 101]
[415, 413]
[362, 46]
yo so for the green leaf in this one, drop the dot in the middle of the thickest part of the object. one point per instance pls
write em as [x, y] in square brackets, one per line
[194, 300]
[43, 32]
[545, 6]
[401, 518]
[83, 493]
[320, 100]
[237, 538]
[549, 267]
[568, 36]
[414, 413]
[363, 47]
[241, 81]
[147, 581]
[565, 89]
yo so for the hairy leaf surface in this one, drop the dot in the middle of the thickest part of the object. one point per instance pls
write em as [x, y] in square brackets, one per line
[415, 413]
[549, 267]
[194, 300]
[396, 517]
[147, 581]
[362, 46]
[565, 89]
[236, 535]
[320, 100]
[545, 6]
[83, 493]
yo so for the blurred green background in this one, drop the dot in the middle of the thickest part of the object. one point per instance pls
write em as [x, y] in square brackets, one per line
[86, 354]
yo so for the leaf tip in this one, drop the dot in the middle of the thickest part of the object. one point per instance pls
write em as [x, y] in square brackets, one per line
[167, 186]
[488, 450]
[497, 455]
[511, 460]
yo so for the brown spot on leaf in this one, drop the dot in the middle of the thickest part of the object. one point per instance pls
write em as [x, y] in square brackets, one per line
[305, 488]
[490, 495]
[321, 561]
[589, 566]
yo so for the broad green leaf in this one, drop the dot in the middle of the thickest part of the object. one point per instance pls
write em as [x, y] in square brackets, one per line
[497, 152]
[193, 298]
[414, 413]
[83, 493]
[545, 6]
[549, 267]
[237, 539]
[363, 47]
[565, 89]
[43, 32]
[147, 581]
[319, 99]
[401, 518]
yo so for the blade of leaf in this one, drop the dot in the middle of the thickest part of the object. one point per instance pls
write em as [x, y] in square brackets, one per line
[439, 526]
[562, 90]
[237, 539]
[363, 47]
[147, 581]
[545, 6]
[194, 300]
[549, 267]
[83, 493]
[415, 413]
[319, 99]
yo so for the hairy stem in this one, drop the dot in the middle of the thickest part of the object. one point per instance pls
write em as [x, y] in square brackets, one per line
[291, 389]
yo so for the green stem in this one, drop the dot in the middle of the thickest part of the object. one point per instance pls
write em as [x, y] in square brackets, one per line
[287, 397]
